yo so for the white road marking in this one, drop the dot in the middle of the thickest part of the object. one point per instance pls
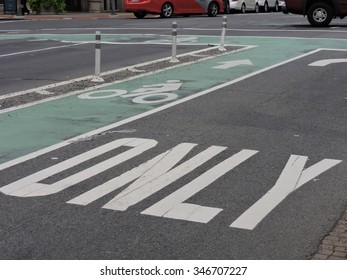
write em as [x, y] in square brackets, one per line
[316, 169]
[230, 64]
[156, 93]
[325, 62]
[192, 212]
[44, 92]
[173, 207]
[41, 50]
[37, 40]
[144, 173]
[141, 189]
[145, 114]
[30, 186]
[292, 177]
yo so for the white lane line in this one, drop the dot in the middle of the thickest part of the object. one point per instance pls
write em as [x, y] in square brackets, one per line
[325, 62]
[37, 40]
[145, 114]
[41, 50]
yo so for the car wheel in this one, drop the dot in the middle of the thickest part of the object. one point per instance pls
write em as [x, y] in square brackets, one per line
[277, 8]
[266, 7]
[320, 14]
[166, 10]
[243, 8]
[257, 8]
[213, 9]
[227, 7]
[140, 14]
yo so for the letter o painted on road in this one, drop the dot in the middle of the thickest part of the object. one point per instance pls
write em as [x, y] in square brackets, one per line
[108, 93]
[142, 99]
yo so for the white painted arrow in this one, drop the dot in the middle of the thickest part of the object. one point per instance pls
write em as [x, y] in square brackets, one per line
[234, 63]
[326, 62]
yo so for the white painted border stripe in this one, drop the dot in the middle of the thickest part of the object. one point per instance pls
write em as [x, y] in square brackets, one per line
[140, 116]
[41, 50]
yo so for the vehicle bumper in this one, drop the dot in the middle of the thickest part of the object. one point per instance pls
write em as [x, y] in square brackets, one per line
[234, 6]
[141, 6]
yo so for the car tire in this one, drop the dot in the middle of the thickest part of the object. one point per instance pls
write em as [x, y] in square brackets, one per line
[227, 7]
[140, 14]
[243, 8]
[166, 10]
[277, 8]
[256, 8]
[213, 9]
[266, 7]
[320, 14]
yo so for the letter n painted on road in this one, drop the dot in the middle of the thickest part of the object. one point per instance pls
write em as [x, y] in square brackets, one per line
[292, 178]
[150, 177]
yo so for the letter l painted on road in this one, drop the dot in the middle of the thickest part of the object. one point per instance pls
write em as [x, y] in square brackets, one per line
[173, 207]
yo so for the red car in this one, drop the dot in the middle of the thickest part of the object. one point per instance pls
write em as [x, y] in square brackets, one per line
[166, 8]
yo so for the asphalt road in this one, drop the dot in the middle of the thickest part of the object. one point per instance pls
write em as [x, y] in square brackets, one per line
[241, 162]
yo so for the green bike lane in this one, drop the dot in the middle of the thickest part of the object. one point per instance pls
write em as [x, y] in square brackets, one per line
[30, 129]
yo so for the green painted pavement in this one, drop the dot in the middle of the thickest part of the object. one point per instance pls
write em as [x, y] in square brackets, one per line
[27, 130]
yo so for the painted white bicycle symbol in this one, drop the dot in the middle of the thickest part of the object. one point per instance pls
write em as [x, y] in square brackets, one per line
[148, 94]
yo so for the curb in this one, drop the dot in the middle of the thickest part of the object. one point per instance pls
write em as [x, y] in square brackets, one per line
[334, 245]
[76, 16]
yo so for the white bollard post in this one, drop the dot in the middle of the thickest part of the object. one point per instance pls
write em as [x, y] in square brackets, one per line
[174, 43]
[97, 77]
[221, 47]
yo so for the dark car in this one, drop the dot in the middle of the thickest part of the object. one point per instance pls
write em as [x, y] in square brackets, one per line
[319, 12]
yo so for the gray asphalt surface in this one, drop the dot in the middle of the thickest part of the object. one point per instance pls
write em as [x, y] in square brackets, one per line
[292, 109]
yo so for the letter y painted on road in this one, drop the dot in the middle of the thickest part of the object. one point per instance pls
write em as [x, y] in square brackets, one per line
[292, 178]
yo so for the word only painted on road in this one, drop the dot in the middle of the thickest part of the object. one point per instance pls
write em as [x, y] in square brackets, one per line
[162, 170]
[148, 94]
